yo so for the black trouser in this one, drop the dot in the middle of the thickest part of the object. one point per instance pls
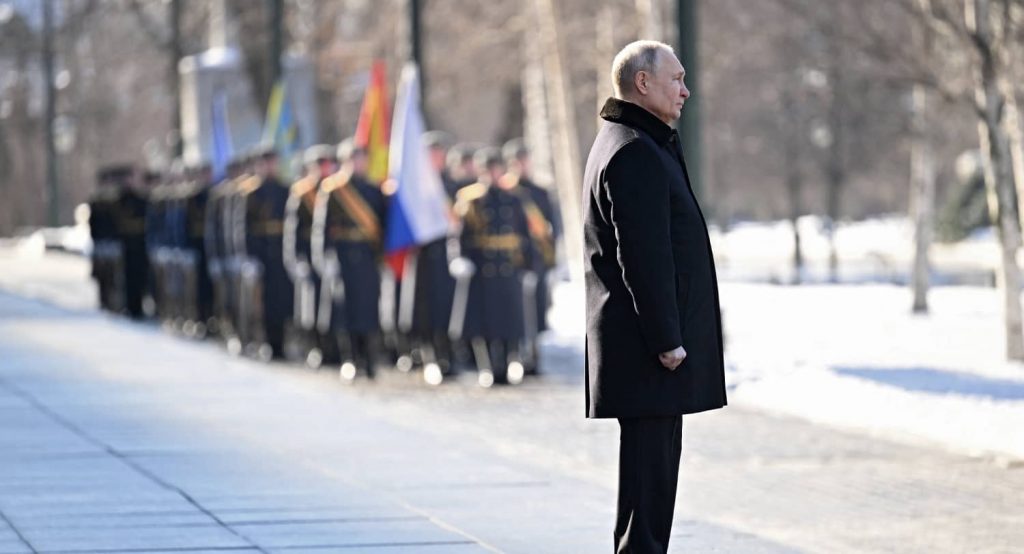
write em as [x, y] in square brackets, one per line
[649, 452]
[363, 350]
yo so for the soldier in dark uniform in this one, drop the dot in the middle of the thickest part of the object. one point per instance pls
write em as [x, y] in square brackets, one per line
[216, 238]
[462, 170]
[234, 248]
[104, 236]
[427, 290]
[347, 247]
[193, 196]
[494, 252]
[151, 180]
[298, 225]
[130, 223]
[263, 199]
[544, 232]
[438, 143]
[158, 242]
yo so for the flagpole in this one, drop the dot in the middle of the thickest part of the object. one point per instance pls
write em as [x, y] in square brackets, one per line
[416, 52]
[276, 40]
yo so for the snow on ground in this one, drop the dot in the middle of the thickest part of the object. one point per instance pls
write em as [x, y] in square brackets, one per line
[854, 357]
[874, 250]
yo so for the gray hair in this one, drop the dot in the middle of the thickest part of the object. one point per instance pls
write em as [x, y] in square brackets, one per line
[641, 55]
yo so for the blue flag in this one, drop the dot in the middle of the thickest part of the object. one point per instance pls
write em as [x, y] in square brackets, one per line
[222, 149]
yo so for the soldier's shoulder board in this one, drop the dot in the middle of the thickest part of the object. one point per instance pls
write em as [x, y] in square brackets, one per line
[469, 193]
[302, 186]
[333, 182]
[249, 184]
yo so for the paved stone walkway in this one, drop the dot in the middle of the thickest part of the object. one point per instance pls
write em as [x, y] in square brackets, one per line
[115, 437]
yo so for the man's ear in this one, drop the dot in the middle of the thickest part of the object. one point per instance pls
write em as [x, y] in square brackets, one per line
[640, 82]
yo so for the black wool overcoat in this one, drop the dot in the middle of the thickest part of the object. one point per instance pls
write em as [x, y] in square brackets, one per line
[650, 275]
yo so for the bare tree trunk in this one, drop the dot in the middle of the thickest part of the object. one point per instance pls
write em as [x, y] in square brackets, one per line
[922, 197]
[999, 177]
[1014, 134]
[792, 133]
[537, 125]
[835, 168]
[566, 148]
[835, 164]
[176, 52]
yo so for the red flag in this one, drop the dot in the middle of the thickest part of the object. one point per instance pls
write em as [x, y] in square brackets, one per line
[374, 124]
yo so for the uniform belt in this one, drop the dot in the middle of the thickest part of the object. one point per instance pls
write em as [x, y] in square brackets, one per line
[132, 227]
[267, 229]
[350, 235]
[507, 241]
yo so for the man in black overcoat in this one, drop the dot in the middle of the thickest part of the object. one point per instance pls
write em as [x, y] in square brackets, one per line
[654, 333]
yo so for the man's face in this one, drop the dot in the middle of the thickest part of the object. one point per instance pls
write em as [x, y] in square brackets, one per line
[359, 163]
[326, 167]
[495, 172]
[666, 92]
[268, 166]
[437, 158]
[525, 166]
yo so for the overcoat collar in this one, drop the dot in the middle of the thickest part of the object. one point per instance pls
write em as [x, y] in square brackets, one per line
[628, 113]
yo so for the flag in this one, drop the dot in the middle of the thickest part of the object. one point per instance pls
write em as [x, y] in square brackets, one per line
[279, 128]
[222, 148]
[372, 129]
[418, 211]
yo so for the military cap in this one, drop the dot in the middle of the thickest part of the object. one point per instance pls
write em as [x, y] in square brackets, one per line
[264, 151]
[515, 149]
[437, 139]
[460, 153]
[347, 148]
[488, 157]
[118, 172]
[318, 152]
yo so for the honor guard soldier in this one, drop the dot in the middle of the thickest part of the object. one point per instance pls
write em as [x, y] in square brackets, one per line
[103, 232]
[267, 290]
[495, 251]
[298, 225]
[438, 143]
[462, 169]
[130, 223]
[197, 298]
[158, 241]
[428, 288]
[347, 247]
[234, 250]
[542, 219]
[216, 238]
[170, 255]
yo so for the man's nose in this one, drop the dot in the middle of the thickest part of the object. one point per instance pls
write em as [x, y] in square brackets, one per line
[684, 92]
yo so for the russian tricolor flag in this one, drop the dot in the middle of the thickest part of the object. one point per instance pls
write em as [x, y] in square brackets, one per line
[418, 212]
